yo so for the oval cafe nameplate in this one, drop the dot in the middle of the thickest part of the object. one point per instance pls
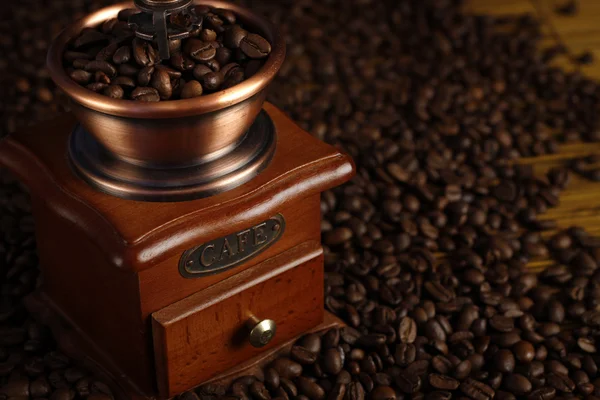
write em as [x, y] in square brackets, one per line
[226, 252]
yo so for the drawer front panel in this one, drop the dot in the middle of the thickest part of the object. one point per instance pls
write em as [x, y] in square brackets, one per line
[206, 334]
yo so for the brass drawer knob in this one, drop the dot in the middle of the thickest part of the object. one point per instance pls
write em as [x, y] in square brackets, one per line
[261, 331]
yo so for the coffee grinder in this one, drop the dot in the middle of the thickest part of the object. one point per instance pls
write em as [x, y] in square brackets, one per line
[179, 241]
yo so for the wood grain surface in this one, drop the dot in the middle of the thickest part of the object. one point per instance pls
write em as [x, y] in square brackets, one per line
[204, 334]
[580, 202]
[579, 33]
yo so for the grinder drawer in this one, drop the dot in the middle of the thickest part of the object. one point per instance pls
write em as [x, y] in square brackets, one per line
[207, 333]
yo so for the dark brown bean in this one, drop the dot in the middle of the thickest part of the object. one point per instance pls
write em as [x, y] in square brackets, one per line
[407, 332]
[212, 81]
[443, 382]
[517, 384]
[104, 66]
[161, 81]
[199, 50]
[234, 36]
[122, 55]
[560, 382]
[114, 92]
[302, 355]
[80, 76]
[310, 388]
[524, 351]
[145, 75]
[145, 94]
[191, 89]
[287, 368]
[408, 382]
[143, 53]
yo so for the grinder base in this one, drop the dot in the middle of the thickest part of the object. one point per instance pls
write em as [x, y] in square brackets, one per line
[111, 267]
[229, 168]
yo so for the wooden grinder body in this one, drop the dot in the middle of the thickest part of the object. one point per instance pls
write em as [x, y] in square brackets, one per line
[112, 288]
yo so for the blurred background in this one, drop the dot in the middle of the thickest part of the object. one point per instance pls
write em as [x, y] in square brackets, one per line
[325, 37]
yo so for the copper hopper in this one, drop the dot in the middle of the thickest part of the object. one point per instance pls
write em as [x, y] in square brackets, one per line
[172, 150]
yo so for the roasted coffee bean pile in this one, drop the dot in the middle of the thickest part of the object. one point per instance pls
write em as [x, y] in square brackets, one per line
[110, 60]
[427, 248]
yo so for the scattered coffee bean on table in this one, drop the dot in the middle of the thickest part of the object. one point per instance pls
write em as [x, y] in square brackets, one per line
[110, 60]
[427, 249]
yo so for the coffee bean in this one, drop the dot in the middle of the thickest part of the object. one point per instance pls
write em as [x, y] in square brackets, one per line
[103, 66]
[372, 340]
[97, 86]
[443, 382]
[124, 81]
[504, 361]
[434, 330]
[405, 354]
[122, 55]
[106, 54]
[199, 50]
[19, 388]
[233, 37]
[439, 292]
[191, 89]
[407, 332]
[355, 391]
[524, 351]
[517, 384]
[310, 388]
[383, 393]
[271, 378]
[114, 92]
[161, 81]
[287, 368]
[289, 387]
[560, 382]
[476, 390]
[258, 391]
[80, 76]
[128, 70]
[101, 77]
[69, 394]
[302, 355]
[181, 62]
[408, 382]
[462, 370]
[145, 94]
[223, 55]
[438, 395]
[557, 367]
[543, 393]
[143, 53]
[255, 46]
[72, 56]
[94, 396]
[586, 345]
[208, 35]
[80, 64]
[173, 73]
[212, 81]
[502, 323]
[39, 388]
[332, 361]
[145, 75]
